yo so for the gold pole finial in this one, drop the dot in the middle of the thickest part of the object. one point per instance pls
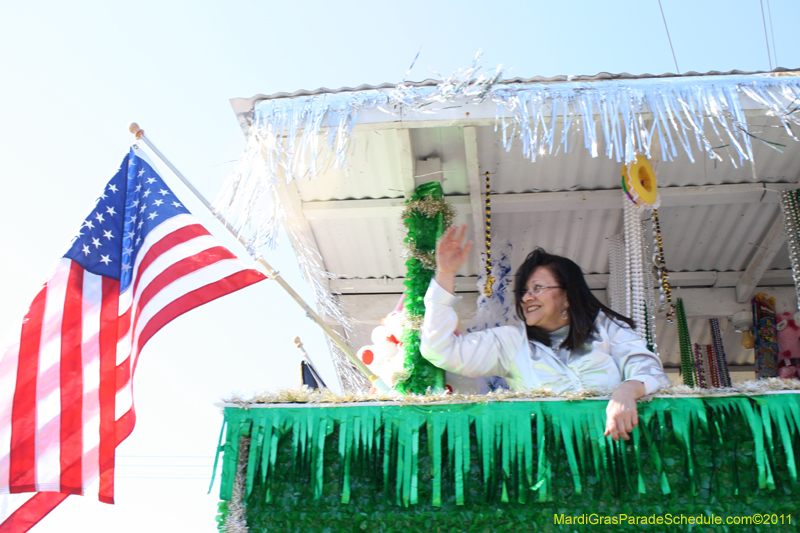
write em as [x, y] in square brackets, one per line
[136, 130]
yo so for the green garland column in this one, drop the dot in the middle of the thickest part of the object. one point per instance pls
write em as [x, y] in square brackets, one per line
[426, 216]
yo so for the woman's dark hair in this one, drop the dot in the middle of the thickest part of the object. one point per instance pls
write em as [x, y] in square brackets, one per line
[583, 305]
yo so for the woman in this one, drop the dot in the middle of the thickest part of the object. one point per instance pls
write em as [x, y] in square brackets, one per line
[569, 340]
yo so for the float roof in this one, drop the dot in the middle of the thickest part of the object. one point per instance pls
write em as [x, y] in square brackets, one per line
[720, 216]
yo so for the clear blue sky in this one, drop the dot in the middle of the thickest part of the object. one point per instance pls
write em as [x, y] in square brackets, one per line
[74, 74]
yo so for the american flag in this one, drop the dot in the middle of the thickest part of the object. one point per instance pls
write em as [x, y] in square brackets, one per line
[140, 259]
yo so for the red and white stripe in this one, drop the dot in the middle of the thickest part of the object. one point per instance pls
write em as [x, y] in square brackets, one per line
[66, 393]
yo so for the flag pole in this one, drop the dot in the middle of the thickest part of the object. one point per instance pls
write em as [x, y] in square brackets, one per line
[273, 274]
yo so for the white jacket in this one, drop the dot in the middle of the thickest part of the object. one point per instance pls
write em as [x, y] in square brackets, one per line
[610, 356]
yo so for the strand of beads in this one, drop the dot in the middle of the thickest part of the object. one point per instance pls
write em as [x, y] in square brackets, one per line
[616, 282]
[662, 293]
[640, 306]
[626, 239]
[698, 367]
[713, 370]
[661, 265]
[487, 287]
[719, 352]
[711, 358]
[794, 238]
[650, 297]
[633, 255]
[685, 344]
[791, 227]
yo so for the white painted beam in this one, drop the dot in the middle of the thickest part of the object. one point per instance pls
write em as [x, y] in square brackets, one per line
[740, 193]
[477, 193]
[761, 260]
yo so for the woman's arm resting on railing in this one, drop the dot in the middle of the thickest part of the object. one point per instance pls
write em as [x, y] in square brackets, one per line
[621, 414]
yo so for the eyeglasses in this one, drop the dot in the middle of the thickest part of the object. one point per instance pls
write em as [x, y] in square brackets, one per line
[537, 289]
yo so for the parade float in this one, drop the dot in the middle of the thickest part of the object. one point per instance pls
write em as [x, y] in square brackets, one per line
[674, 193]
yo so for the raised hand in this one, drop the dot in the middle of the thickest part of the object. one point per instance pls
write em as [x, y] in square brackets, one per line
[451, 253]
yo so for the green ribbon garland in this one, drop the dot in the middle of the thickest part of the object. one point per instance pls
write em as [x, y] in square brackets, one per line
[401, 466]
[424, 229]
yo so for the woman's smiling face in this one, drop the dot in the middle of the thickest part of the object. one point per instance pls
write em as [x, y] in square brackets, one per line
[544, 310]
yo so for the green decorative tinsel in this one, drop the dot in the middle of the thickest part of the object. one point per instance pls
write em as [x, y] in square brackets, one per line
[512, 466]
[426, 216]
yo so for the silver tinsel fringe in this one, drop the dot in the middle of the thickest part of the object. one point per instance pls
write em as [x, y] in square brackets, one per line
[300, 136]
[252, 170]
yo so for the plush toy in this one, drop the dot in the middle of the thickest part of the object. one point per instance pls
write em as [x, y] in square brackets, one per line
[385, 356]
[788, 347]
